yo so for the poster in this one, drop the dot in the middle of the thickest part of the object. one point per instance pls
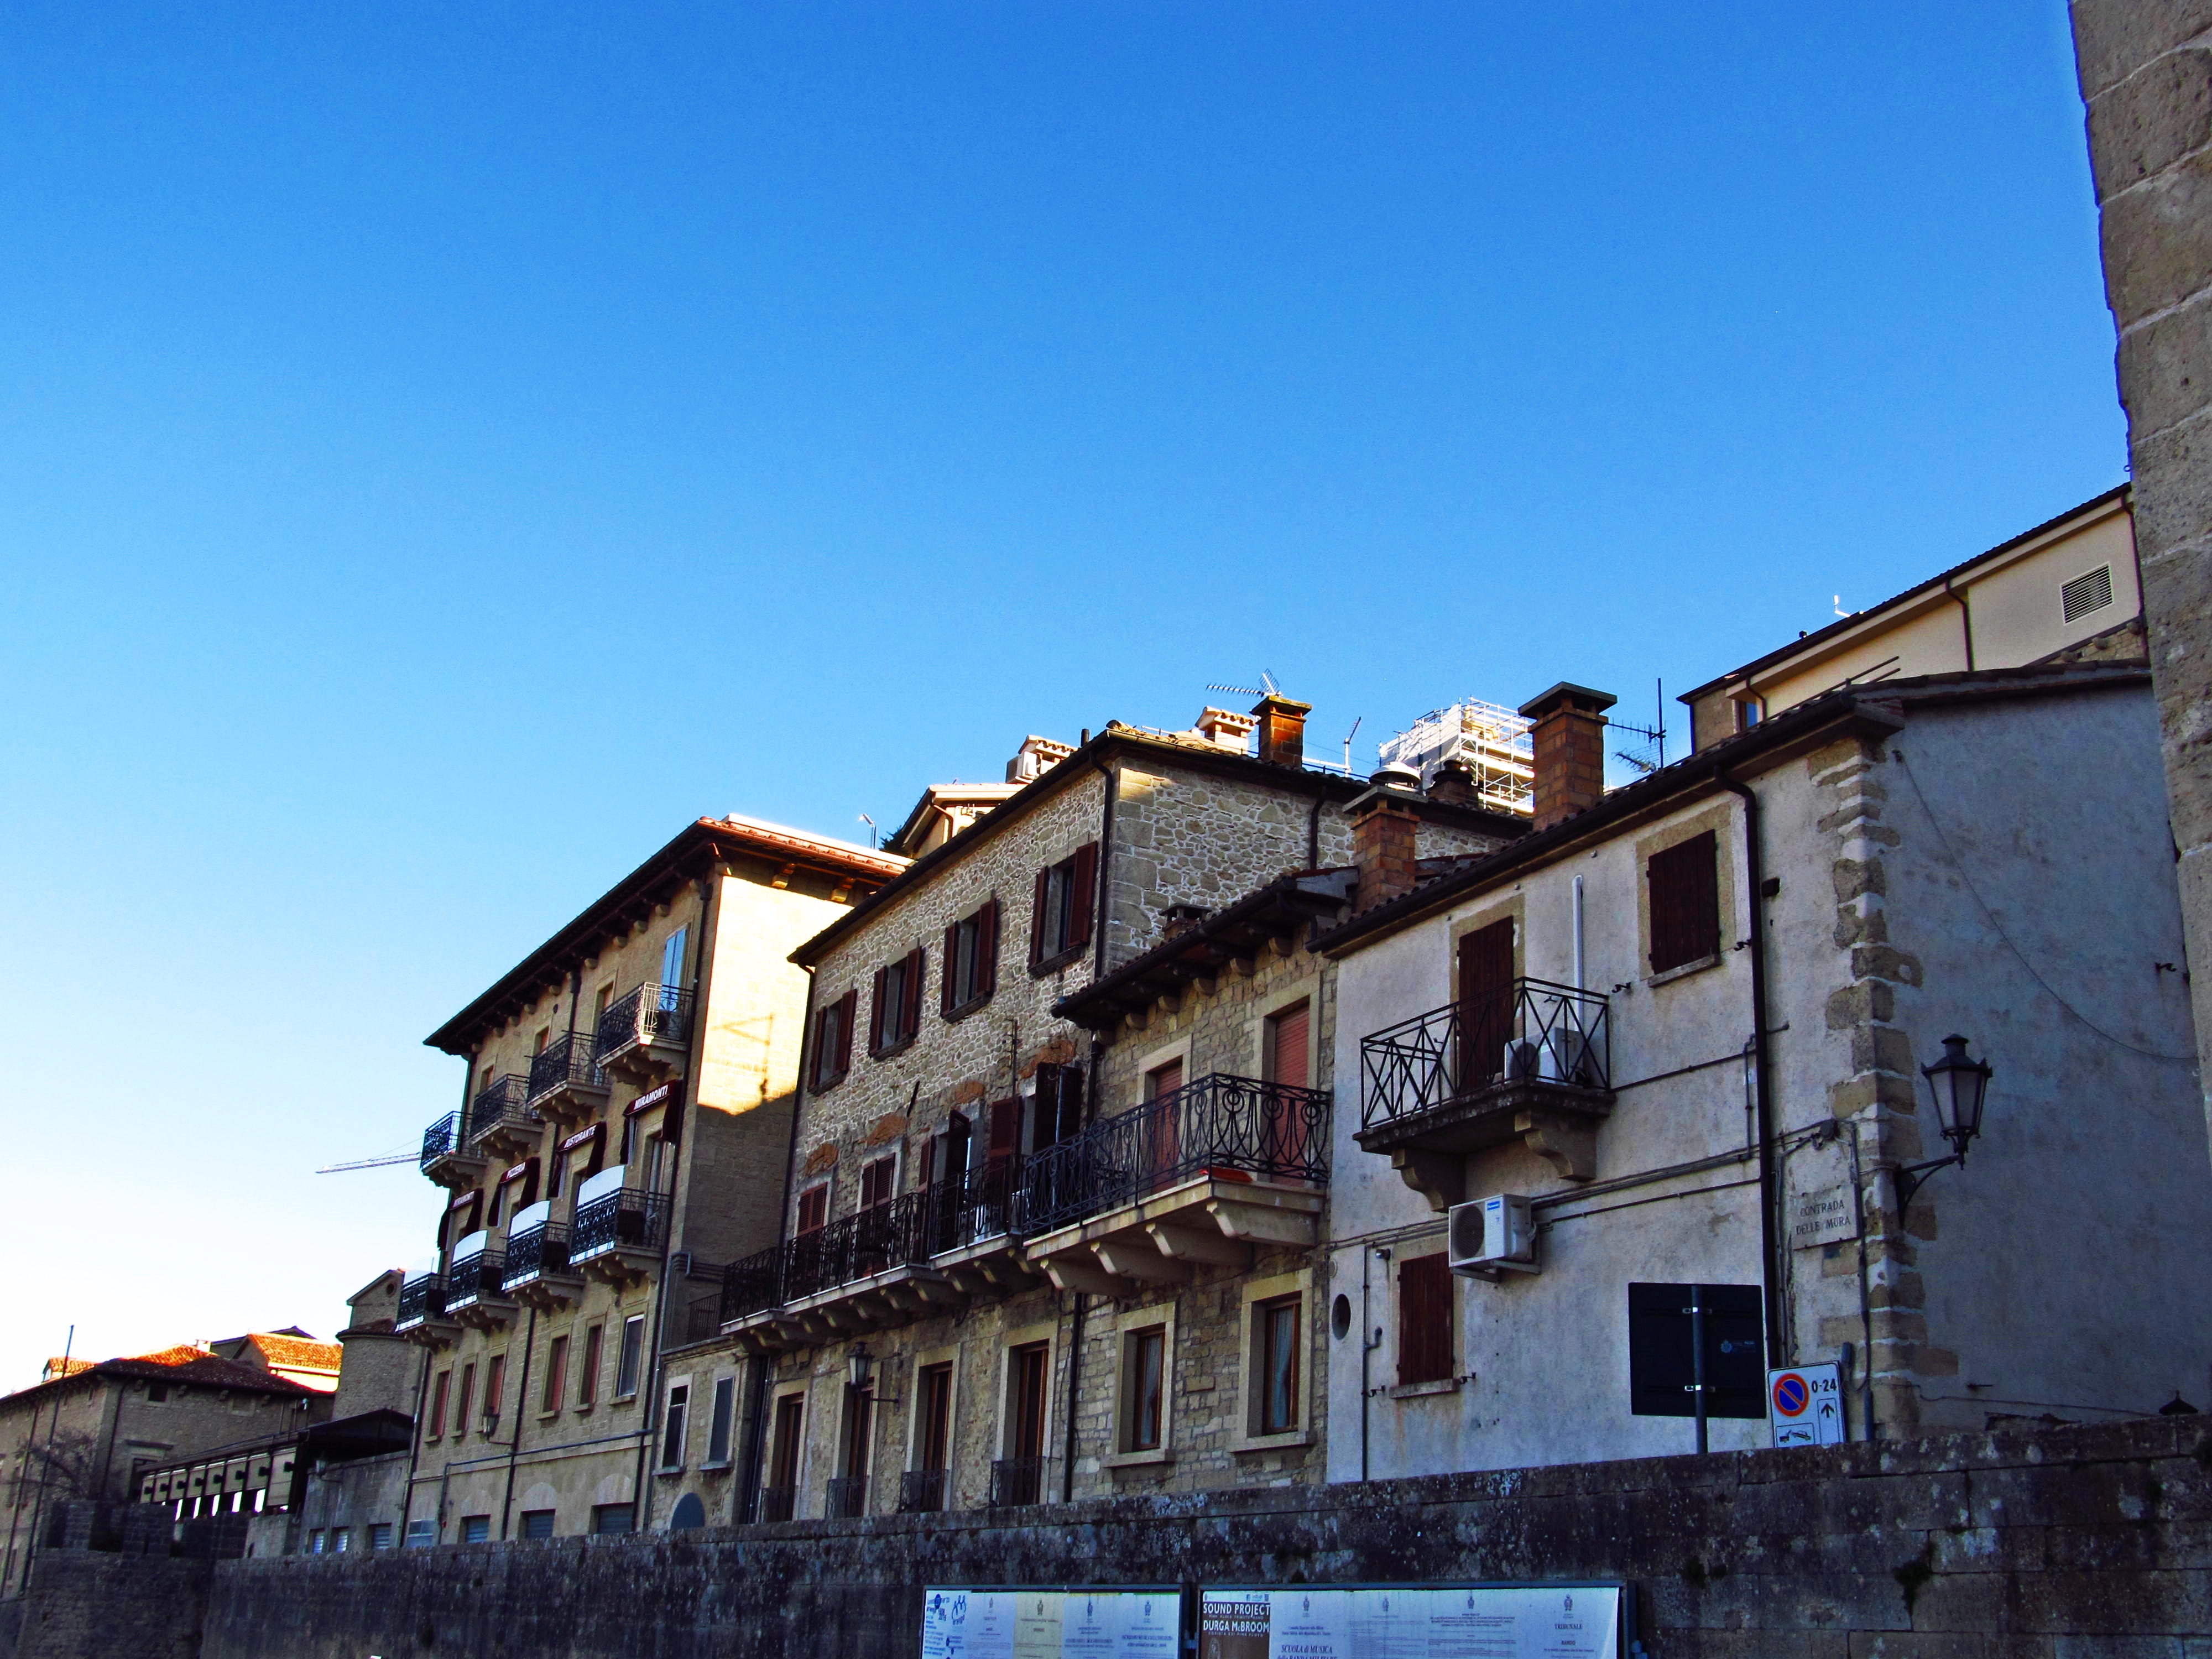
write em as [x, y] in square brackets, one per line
[1576, 1621]
[1051, 1624]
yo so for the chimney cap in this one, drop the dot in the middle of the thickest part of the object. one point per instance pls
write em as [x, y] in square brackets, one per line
[1567, 695]
[1396, 776]
[1275, 703]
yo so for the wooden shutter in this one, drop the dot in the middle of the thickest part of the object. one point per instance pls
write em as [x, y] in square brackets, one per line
[1289, 1050]
[1685, 902]
[813, 1208]
[1486, 1002]
[987, 949]
[948, 992]
[876, 1012]
[1424, 1319]
[1039, 921]
[1005, 1128]
[848, 1012]
[1083, 895]
[917, 964]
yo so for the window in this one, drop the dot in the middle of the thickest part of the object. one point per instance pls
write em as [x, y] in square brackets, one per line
[2092, 590]
[633, 1350]
[1144, 1387]
[1685, 902]
[314, 1538]
[814, 1208]
[461, 1400]
[877, 1177]
[1056, 1108]
[1485, 1001]
[538, 1042]
[341, 1540]
[971, 961]
[559, 1176]
[718, 1423]
[157, 1392]
[1066, 896]
[1286, 1056]
[538, 1524]
[557, 1374]
[476, 1529]
[438, 1403]
[671, 1442]
[587, 1382]
[1424, 1320]
[783, 1458]
[833, 1040]
[934, 1452]
[611, 1517]
[671, 965]
[495, 1402]
[380, 1535]
[1025, 1387]
[1278, 1354]
[895, 1008]
[498, 1205]
[422, 1534]
[1746, 713]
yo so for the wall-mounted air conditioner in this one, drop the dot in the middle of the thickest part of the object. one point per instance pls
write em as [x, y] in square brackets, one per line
[1491, 1235]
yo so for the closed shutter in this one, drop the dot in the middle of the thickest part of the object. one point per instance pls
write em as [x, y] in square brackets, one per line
[987, 949]
[1685, 910]
[1040, 922]
[1289, 1058]
[948, 990]
[876, 1012]
[1485, 1001]
[917, 964]
[849, 1007]
[529, 1185]
[1082, 898]
[1424, 1320]
[1005, 1128]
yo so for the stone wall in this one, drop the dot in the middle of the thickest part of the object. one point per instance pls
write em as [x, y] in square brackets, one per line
[2066, 1541]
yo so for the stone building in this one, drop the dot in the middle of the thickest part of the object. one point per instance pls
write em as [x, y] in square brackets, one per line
[625, 1114]
[983, 1178]
[1678, 1033]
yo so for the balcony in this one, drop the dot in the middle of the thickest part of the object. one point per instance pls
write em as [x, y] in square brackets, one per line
[644, 1037]
[618, 1231]
[1016, 1482]
[567, 1087]
[475, 1288]
[422, 1316]
[778, 1503]
[501, 1123]
[849, 1497]
[1532, 1064]
[1201, 1176]
[921, 1492]
[537, 1271]
[447, 1159]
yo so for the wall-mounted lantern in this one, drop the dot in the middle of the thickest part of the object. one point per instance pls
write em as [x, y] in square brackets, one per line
[1959, 1085]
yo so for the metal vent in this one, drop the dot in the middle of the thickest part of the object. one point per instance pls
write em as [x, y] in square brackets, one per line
[2086, 593]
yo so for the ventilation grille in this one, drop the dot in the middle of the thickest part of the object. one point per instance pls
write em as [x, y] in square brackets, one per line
[2085, 593]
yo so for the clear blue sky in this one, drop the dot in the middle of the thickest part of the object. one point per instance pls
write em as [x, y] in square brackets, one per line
[446, 448]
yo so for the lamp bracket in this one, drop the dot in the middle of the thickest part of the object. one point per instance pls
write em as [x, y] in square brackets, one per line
[1911, 1176]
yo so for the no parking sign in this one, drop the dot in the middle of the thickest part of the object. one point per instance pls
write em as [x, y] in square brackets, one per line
[1805, 1406]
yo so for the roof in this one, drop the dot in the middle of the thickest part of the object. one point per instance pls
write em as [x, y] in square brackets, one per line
[942, 795]
[296, 1353]
[702, 842]
[1811, 642]
[366, 1434]
[187, 1362]
[1194, 754]
[1877, 707]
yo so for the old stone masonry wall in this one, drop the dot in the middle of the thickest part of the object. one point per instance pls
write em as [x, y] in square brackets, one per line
[2067, 1541]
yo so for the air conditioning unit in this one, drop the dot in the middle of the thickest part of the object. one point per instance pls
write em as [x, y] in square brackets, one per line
[1491, 1237]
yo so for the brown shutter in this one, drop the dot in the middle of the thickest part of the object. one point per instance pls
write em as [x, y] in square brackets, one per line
[917, 964]
[948, 993]
[1083, 902]
[529, 1185]
[1037, 917]
[1685, 885]
[1486, 1002]
[876, 1012]
[849, 1008]
[1289, 1058]
[987, 949]
[1005, 1127]
[1424, 1320]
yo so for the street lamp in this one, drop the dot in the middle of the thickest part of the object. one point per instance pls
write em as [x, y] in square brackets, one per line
[861, 1368]
[1960, 1086]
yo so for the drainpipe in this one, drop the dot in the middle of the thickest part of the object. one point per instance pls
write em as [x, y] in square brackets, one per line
[1578, 933]
[1769, 1244]
[414, 1451]
[514, 1439]
[1105, 870]
[1074, 1372]
[1966, 621]
[1313, 833]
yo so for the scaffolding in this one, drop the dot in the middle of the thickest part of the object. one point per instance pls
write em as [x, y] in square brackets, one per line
[1492, 742]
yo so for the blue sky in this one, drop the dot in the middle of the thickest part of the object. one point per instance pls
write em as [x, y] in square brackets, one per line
[444, 450]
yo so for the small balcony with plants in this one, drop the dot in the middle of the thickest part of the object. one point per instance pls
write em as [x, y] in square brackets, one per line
[1201, 1176]
[567, 1086]
[1528, 1062]
[447, 1159]
[501, 1123]
[644, 1037]
[538, 1273]
[619, 1230]
[475, 1285]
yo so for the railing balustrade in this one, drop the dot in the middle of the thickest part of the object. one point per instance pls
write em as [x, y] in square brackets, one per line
[778, 1503]
[421, 1299]
[564, 1063]
[1219, 1123]
[442, 1139]
[1531, 1031]
[921, 1492]
[536, 1251]
[630, 1219]
[475, 1278]
[1017, 1481]
[503, 1104]
[849, 1497]
[651, 1014]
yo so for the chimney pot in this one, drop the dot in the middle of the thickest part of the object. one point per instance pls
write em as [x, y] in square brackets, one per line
[1282, 730]
[1454, 784]
[1570, 742]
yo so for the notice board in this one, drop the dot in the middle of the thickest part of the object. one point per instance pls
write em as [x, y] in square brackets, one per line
[1067, 1622]
[1415, 1621]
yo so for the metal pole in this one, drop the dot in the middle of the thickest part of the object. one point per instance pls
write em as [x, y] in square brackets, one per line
[1697, 1359]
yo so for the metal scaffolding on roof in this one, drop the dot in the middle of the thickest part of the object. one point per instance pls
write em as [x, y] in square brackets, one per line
[1492, 741]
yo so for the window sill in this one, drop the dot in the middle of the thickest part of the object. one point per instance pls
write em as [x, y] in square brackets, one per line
[584, 1407]
[822, 1085]
[1418, 1390]
[973, 1005]
[892, 1051]
[629, 1399]
[1687, 968]
[721, 1466]
[1290, 1440]
[1132, 1460]
[547, 1416]
[1054, 963]
[669, 1469]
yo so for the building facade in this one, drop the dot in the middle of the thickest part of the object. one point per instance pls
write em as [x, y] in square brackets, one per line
[626, 1114]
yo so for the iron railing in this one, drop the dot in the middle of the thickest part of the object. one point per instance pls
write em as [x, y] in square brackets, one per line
[1237, 1126]
[849, 1497]
[702, 1317]
[1016, 1481]
[921, 1492]
[536, 1251]
[477, 1279]
[630, 1219]
[651, 1014]
[778, 1503]
[441, 1140]
[565, 1063]
[1534, 1032]
[421, 1299]
[503, 1104]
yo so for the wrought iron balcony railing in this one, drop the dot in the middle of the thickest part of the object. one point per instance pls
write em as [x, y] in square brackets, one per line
[1532, 1032]
[630, 1219]
[849, 1497]
[475, 1278]
[1016, 1481]
[921, 1492]
[565, 1063]
[537, 1251]
[651, 1014]
[1220, 1124]
[778, 1503]
[503, 1104]
[441, 1140]
[421, 1299]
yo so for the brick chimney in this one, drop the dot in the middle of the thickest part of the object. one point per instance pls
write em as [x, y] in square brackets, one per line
[1282, 730]
[1454, 785]
[1569, 739]
[1383, 823]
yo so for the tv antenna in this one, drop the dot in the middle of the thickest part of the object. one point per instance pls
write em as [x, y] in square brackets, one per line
[1348, 737]
[1267, 688]
[1650, 755]
[874, 839]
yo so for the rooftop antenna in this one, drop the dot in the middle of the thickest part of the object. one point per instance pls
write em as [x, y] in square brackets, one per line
[1840, 612]
[873, 839]
[1267, 688]
[1348, 737]
[1651, 756]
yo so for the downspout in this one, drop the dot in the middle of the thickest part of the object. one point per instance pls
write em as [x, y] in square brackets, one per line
[744, 1506]
[1578, 933]
[514, 1440]
[1074, 1371]
[1965, 619]
[1769, 1248]
[1313, 833]
[414, 1452]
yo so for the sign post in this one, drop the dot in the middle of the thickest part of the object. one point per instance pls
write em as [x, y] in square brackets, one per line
[1805, 1406]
